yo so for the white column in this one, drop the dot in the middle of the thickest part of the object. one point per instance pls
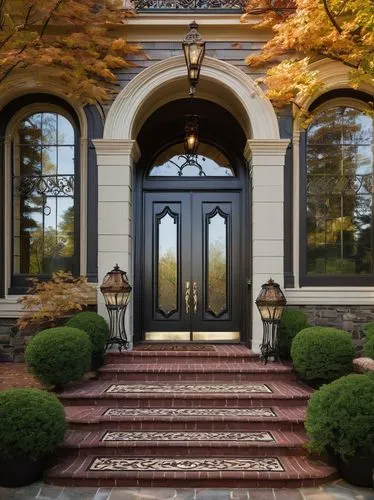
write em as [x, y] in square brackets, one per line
[115, 159]
[267, 158]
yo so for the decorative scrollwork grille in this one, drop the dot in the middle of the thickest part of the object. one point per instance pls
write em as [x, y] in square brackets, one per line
[189, 4]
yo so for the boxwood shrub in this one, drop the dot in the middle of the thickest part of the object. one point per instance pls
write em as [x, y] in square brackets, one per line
[369, 346]
[59, 355]
[32, 423]
[369, 329]
[340, 419]
[322, 354]
[97, 329]
[292, 322]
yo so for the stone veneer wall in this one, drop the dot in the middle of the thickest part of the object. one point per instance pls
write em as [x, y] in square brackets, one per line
[12, 344]
[349, 318]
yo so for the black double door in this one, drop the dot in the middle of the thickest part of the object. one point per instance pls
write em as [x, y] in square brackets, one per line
[191, 266]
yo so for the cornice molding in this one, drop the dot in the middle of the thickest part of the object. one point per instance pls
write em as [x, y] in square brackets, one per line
[115, 147]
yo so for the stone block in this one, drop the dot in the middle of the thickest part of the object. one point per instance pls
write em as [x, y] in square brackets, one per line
[4, 339]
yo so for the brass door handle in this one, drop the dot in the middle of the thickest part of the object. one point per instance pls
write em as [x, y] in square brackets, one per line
[187, 297]
[194, 296]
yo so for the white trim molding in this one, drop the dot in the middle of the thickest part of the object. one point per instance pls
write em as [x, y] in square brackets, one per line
[147, 91]
[330, 296]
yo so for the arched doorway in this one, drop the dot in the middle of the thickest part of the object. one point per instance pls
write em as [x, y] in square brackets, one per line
[192, 227]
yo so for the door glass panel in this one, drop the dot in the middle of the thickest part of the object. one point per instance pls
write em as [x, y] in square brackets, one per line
[167, 297]
[208, 162]
[217, 263]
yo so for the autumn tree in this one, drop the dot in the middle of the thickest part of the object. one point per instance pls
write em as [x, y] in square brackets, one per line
[305, 31]
[80, 40]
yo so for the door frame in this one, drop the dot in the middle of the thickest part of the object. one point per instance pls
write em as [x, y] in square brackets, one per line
[242, 184]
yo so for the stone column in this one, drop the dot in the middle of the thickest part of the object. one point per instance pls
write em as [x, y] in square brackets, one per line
[115, 159]
[267, 158]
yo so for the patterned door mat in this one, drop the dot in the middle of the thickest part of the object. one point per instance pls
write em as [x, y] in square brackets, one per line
[174, 347]
[121, 464]
[189, 388]
[253, 436]
[262, 412]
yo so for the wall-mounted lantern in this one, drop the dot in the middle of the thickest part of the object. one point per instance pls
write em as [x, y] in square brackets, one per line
[116, 290]
[270, 303]
[194, 51]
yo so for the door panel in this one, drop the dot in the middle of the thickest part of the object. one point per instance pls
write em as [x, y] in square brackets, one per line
[191, 283]
[215, 256]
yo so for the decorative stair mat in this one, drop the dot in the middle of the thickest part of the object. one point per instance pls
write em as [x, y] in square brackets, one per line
[254, 436]
[189, 388]
[174, 347]
[191, 412]
[119, 464]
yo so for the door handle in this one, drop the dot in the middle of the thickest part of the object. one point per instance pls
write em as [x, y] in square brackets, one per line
[187, 297]
[194, 296]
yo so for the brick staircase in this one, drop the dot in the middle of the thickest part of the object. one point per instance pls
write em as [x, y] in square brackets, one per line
[209, 416]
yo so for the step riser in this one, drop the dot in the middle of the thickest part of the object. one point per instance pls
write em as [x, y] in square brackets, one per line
[188, 426]
[195, 377]
[172, 359]
[171, 482]
[181, 451]
[182, 403]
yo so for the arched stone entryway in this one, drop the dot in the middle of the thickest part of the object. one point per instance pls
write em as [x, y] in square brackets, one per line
[118, 151]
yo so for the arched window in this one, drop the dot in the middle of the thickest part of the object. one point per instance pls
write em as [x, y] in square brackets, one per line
[339, 195]
[208, 162]
[44, 188]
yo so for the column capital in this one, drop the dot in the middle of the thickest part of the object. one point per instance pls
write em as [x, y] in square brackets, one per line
[265, 147]
[117, 147]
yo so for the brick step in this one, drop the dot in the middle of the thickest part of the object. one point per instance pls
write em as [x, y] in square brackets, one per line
[272, 472]
[184, 443]
[237, 353]
[189, 395]
[198, 372]
[198, 419]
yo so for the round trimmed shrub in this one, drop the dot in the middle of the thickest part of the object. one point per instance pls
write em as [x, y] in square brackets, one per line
[369, 329]
[322, 354]
[292, 322]
[340, 417]
[32, 424]
[59, 355]
[97, 329]
[369, 346]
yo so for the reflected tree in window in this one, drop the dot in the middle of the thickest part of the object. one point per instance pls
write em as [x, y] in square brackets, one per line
[43, 207]
[340, 192]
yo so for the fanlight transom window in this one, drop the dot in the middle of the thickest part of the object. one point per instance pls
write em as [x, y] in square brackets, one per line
[208, 162]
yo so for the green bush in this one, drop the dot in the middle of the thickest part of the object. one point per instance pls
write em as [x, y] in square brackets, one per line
[369, 329]
[32, 423]
[369, 346]
[93, 324]
[340, 417]
[322, 354]
[97, 329]
[292, 322]
[59, 355]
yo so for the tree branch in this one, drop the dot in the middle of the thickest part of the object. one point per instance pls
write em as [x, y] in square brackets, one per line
[47, 21]
[331, 17]
[336, 58]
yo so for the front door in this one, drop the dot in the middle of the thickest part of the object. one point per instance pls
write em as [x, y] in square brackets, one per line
[191, 266]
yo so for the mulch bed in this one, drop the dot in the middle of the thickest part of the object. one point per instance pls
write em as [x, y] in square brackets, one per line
[16, 375]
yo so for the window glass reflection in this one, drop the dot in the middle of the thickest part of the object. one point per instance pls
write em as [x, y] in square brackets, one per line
[208, 162]
[43, 206]
[339, 193]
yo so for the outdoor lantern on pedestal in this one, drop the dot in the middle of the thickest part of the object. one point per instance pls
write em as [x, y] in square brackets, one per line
[270, 303]
[194, 51]
[116, 290]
